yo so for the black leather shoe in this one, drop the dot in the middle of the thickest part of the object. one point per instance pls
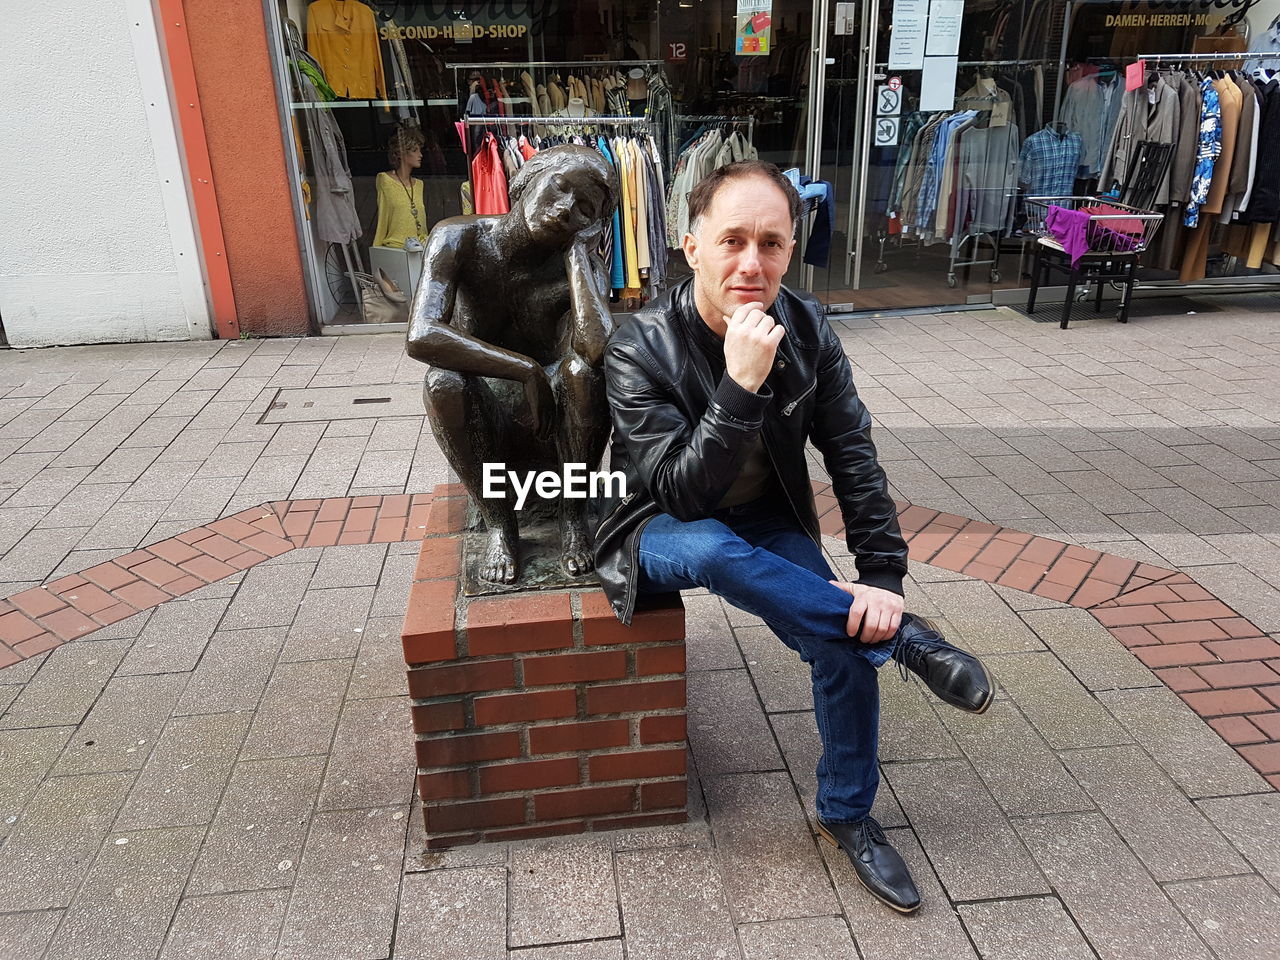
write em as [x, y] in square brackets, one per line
[954, 675]
[877, 864]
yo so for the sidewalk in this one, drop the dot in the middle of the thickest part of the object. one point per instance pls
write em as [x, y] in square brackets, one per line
[229, 773]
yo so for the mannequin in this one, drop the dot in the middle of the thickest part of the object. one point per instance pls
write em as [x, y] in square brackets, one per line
[401, 211]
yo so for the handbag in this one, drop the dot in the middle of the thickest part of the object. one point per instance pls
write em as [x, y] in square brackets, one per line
[381, 299]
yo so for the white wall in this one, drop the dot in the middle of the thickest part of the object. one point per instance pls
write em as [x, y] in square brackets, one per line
[97, 242]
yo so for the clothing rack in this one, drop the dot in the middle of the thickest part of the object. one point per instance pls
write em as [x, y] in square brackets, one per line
[1242, 55]
[543, 64]
[715, 118]
[558, 121]
[993, 63]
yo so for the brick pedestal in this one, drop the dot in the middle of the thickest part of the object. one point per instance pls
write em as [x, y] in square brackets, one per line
[539, 713]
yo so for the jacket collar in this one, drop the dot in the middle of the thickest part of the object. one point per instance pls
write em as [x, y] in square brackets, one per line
[687, 311]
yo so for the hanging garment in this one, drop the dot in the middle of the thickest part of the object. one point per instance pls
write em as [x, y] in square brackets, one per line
[617, 274]
[489, 179]
[1149, 113]
[335, 206]
[1091, 109]
[1048, 162]
[1210, 148]
[343, 36]
[1183, 165]
[401, 212]
[1230, 105]
[1264, 201]
[1244, 163]
[987, 180]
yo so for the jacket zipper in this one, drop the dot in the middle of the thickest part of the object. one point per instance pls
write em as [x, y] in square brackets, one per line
[635, 572]
[790, 407]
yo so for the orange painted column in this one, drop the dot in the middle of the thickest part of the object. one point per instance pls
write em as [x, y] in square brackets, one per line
[246, 159]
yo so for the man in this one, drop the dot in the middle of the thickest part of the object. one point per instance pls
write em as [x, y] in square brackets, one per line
[714, 391]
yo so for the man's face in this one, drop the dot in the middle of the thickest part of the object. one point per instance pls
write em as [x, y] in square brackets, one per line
[742, 248]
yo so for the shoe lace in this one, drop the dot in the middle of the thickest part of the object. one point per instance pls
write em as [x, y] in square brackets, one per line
[871, 831]
[909, 654]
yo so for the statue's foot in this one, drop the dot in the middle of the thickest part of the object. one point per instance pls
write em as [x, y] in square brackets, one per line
[499, 562]
[577, 558]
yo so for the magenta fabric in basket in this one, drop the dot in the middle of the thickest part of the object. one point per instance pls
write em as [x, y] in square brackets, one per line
[1070, 228]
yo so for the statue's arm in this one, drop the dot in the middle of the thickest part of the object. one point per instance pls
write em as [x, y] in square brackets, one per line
[434, 337]
[589, 299]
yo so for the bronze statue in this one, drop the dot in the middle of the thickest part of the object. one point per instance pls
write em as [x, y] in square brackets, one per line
[512, 315]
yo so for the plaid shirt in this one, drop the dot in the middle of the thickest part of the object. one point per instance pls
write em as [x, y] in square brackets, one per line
[1048, 162]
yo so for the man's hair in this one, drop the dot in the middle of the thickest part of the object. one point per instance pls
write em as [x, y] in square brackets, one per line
[564, 158]
[709, 186]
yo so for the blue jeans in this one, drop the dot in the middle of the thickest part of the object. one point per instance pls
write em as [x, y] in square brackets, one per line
[764, 563]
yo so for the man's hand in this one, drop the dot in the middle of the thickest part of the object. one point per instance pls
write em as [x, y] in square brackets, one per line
[877, 613]
[749, 345]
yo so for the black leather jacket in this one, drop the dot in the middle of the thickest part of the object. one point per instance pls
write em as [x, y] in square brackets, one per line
[680, 437]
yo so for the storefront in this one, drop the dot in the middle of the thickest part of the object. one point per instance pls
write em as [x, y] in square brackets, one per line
[928, 121]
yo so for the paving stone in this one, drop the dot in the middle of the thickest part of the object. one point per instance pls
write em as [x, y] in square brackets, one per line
[673, 906]
[727, 727]
[392, 596]
[358, 565]
[1053, 700]
[933, 932]
[124, 526]
[1161, 826]
[909, 728]
[268, 596]
[39, 552]
[174, 638]
[372, 760]
[345, 895]
[128, 898]
[1239, 917]
[591, 950]
[1024, 930]
[446, 914]
[84, 506]
[233, 671]
[981, 621]
[1245, 592]
[298, 711]
[54, 843]
[1187, 748]
[768, 863]
[1116, 904]
[810, 938]
[970, 843]
[1252, 824]
[1099, 660]
[25, 758]
[781, 677]
[121, 730]
[379, 669]
[562, 890]
[24, 936]
[183, 779]
[257, 834]
[709, 643]
[1024, 776]
[797, 734]
[328, 624]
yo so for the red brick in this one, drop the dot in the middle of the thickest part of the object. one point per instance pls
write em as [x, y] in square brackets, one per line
[574, 737]
[37, 644]
[668, 729]
[655, 661]
[1153, 572]
[518, 624]
[388, 530]
[629, 697]
[439, 557]
[450, 679]
[1173, 655]
[1042, 551]
[657, 619]
[36, 601]
[445, 515]
[664, 795]
[89, 599]
[354, 536]
[1236, 730]
[243, 561]
[417, 526]
[114, 614]
[1197, 610]
[1112, 569]
[220, 547]
[1191, 591]
[298, 524]
[1274, 780]
[1069, 572]
[68, 624]
[1155, 593]
[1054, 591]
[997, 553]
[961, 550]
[109, 576]
[1021, 575]
[194, 535]
[436, 717]
[1246, 673]
[1271, 693]
[7, 657]
[1189, 632]
[444, 785]
[1182, 679]
[1254, 648]
[1014, 536]
[923, 545]
[575, 667]
[1133, 636]
[983, 571]
[536, 831]
[453, 751]
[272, 546]
[1268, 723]
[1263, 757]
[1129, 616]
[369, 500]
[360, 519]
[428, 634]
[16, 627]
[208, 569]
[1238, 627]
[475, 815]
[641, 820]
[1092, 592]
[915, 518]
[529, 775]
[1217, 703]
[324, 534]
[637, 765]
[397, 506]
[526, 707]
[334, 508]
[132, 559]
[583, 803]
[232, 529]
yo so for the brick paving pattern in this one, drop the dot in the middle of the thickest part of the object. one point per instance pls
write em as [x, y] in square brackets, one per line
[229, 770]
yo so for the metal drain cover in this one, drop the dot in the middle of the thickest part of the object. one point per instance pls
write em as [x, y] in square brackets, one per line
[310, 404]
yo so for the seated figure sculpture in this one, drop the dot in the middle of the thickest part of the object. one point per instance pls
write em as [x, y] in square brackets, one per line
[512, 315]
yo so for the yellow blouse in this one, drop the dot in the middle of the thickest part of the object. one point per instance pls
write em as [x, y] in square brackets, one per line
[396, 220]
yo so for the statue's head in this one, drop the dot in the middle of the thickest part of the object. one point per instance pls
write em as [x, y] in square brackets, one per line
[563, 191]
